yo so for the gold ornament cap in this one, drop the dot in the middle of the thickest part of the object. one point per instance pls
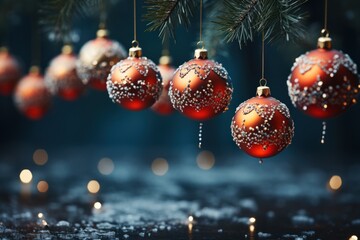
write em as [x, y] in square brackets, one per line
[135, 50]
[67, 49]
[101, 33]
[165, 60]
[4, 50]
[324, 42]
[34, 70]
[201, 53]
[263, 91]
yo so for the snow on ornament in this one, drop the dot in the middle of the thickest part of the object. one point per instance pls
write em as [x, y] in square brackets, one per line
[134, 83]
[324, 82]
[201, 88]
[262, 125]
[96, 59]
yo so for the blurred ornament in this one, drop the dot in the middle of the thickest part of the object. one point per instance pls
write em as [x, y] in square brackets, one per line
[10, 72]
[324, 82]
[61, 77]
[31, 97]
[163, 106]
[96, 58]
[134, 83]
[262, 126]
[200, 88]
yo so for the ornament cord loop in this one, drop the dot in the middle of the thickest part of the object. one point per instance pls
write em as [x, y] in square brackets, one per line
[135, 22]
[262, 81]
[103, 15]
[201, 13]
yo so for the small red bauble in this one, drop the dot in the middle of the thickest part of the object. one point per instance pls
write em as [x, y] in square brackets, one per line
[200, 88]
[163, 106]
[31, 97]
[10, 72]
[262, 125]
[96, 58]
[134, 83]
[324, 82]
[61, 77]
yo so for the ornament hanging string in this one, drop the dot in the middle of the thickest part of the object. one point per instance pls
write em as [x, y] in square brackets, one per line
[262, 81]
[135, 37]
[325, 15]
[103, 15]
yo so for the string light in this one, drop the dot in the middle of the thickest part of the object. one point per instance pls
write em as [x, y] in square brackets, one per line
[93, 186]
[25, 176]
[160, 166]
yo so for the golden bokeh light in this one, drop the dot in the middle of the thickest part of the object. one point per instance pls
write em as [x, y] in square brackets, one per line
[353, 237]
[40, 157]
[42, 186]
[252, 228]
[106, 166]
[97, 205]
[25, 176]
[190, 218]
[335, 182]
[40, 215]
[252, 220]
[160, 166]
[205, 160]
[93, 186]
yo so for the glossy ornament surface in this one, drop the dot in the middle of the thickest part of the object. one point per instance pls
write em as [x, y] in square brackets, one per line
[31, 96]
[163, 105]
[61, 77]
[10, 72]
[200, 88]
[134, 83]
[262, 125]
[324, 82]
[96, 59]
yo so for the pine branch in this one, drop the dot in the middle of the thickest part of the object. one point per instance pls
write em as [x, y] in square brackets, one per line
[166, 15]
[56, 15]
[241, 19]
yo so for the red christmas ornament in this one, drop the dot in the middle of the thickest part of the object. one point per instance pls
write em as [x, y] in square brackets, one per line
[134, 83]
[163, 106]
[10, 72]
[200, 88]
[96, 59]
[262, 125]
[31, 97]
[61, 77]
[324, 82]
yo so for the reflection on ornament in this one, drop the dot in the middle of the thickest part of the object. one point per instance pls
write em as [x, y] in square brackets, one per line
[61, 77]
[31, 96]
[324, 82]
[262, 126]
[134, 83]
[10, 72]
[200, 88]
[96, 58]
[163, 105]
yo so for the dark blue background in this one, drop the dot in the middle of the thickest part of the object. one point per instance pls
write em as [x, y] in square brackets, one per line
[94, 122]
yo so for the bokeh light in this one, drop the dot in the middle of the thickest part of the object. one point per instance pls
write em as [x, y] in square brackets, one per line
[25, 176]
[97, 205]
[42, 186]
[160, 166]
[353, 237]
[252, 220]
[335, 182]
[205, 160]
[40, 157]
[190, 218]
[40, 215]
[93, 186]
[106, 166]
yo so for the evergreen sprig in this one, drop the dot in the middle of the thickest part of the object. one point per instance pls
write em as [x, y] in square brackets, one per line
[241, 19]
[166, 15]
[56, 15]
